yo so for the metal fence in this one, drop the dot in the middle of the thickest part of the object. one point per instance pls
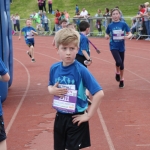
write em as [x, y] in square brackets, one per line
[93, 26]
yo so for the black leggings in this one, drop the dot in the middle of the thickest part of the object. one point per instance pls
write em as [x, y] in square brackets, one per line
[119, 58]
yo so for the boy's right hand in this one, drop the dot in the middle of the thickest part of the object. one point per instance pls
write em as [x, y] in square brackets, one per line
[58, 91]
[107, 37]
[19, 38]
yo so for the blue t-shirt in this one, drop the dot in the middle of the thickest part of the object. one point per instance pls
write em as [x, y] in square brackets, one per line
[117, 31]
[84, 44]
[78, 75]
[3, 71]
[28, 35]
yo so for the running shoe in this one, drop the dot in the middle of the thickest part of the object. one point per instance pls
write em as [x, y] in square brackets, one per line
[121, 84]
[117, 77]
[33, 60]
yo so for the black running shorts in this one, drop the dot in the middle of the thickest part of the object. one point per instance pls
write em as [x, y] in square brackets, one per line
[2, 130]
[81, 59]
[68, 135]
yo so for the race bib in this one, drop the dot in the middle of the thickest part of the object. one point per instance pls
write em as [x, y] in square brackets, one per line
[67, 103]
[30, 35]
[118, 35]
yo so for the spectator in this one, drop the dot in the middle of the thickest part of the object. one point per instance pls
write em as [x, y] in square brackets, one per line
[108, 17]
[84, 13]
[77, 9]
[99, 21]
[50, 6]
[133, 25]
[40, 4]
[44, 5]
[146, 19]
[62, 16]
[45, 21]
[67, 16]
[17, 17]
[13, 19]
[57, 15]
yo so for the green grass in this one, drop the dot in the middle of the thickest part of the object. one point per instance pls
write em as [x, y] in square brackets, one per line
[25, 7]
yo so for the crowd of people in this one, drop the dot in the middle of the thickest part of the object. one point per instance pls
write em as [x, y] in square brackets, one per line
[141, 22]
[73, 48]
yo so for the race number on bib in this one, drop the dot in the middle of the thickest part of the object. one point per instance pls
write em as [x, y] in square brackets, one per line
[67, 103]
[118, 35]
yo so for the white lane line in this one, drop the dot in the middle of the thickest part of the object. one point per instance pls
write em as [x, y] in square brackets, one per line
[21, 101]
[143, 145]
[108, 138]
[125, 69]
[134, 125]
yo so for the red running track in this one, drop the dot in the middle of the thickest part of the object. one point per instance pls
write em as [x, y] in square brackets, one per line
[122, 121]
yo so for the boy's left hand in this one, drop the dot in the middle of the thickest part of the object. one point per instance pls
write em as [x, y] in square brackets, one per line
[80, 118]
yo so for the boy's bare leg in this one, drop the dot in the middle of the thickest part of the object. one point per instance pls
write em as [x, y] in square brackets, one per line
[3, 145]
[32, 51]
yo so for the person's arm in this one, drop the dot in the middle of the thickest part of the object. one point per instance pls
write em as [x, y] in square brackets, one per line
[34, 32]
[107, 36]
[5, 77]
[128, 36]
[54, 90]
[97, 98]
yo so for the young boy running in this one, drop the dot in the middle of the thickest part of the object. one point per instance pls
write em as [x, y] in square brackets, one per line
[29, 32]
[84, 51]
[68, 80]
[117, 31]
[4, 76]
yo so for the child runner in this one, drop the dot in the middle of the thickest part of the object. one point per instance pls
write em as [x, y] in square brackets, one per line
[117, 31]
[29, 32]
[84, 52]
[71, 127]
[63, 24]
[4, 76]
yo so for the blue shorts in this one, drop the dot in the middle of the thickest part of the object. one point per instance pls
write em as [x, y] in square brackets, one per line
[30, 42]
[2, 130]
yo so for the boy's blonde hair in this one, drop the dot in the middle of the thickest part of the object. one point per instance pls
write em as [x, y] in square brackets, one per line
[66, 36]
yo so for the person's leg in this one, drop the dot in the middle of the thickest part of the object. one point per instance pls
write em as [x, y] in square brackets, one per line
[3, 145]
[118, 61]
[122, 66]
[44, 6]
[121, 84]
[32, 51]
[49, 8]
[149, 29]
[15, 27]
